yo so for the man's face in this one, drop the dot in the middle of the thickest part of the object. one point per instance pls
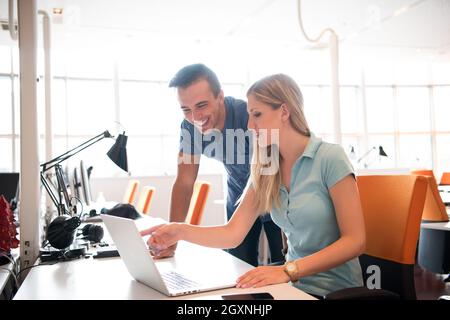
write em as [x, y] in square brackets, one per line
[200, 107]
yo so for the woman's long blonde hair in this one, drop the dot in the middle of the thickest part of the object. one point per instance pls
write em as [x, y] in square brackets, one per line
[274, 90]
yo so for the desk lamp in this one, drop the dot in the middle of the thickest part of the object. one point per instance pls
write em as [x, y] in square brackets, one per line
[381, 153]
[352, 153]
[61, 231]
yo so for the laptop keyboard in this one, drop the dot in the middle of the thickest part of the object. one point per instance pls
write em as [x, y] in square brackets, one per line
[177, 281]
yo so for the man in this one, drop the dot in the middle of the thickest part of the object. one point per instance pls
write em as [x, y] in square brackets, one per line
[216, 126]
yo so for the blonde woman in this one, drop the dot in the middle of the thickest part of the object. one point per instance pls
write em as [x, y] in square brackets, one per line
[309, 188]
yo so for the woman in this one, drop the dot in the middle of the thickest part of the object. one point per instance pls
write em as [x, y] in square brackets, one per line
[309, 188]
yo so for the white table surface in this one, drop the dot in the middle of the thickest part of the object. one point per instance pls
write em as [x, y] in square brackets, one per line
[444, 192]
[108, 278]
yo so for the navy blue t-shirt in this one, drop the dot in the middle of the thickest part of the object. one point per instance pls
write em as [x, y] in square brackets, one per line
[231, 146]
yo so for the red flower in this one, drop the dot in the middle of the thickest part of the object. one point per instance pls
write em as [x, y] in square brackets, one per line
[8, 230]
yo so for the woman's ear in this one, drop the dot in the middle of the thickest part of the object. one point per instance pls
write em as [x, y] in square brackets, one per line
[284, 113]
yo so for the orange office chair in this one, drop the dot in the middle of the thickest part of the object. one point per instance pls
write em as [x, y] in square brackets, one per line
[392, 207]
[445, 179]
[424, 172]
[130, 191]
[145, 198]
[434, 208]
[198, 202]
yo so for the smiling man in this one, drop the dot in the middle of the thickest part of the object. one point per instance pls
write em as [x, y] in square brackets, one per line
[216, 126]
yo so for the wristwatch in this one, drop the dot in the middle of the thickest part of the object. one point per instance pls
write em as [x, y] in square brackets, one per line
[290, 267]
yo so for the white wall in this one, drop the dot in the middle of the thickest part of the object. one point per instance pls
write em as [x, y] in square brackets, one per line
[114, 188]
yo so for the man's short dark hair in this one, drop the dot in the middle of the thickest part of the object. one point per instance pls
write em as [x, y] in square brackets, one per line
[194, 72]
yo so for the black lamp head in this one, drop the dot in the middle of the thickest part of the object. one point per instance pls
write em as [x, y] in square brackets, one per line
[381, 152]
[118, 152]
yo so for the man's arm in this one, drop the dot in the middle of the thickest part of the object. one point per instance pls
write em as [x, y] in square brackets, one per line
[188, 166]
[181, 194]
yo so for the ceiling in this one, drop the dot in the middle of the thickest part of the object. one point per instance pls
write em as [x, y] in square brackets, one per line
[420, 26]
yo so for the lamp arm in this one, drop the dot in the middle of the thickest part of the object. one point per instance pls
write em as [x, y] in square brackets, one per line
[365, 155]
[50, 164]
[52, 195]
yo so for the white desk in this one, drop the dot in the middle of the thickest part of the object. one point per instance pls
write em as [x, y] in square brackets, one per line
[444, 192]
[444, 226]
[108, 278]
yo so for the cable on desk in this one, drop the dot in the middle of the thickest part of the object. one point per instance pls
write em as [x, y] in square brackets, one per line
[13, 275]
[45, 243]
[81, 203]
[64, 254]
[38, 265]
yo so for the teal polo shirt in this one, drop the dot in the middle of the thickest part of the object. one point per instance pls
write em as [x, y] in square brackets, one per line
[308, 218]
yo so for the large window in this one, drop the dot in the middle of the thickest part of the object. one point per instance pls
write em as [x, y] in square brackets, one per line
[318, 111]
[414, 126]
[401, 119]
[6, 111]
[6, 106]
[441, 104]
[380, 110]
[96, 90]
[90, 106]
[443, 151]
[6, 159]
[351, 121]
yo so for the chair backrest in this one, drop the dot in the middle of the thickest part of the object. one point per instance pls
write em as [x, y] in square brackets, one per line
[130, 191]
[445, 179]
[434, 208]
[198, 202]
[424, 172]
[392, 207]
[145, 198]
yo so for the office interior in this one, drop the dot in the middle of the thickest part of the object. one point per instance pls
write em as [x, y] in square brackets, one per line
[378, 84]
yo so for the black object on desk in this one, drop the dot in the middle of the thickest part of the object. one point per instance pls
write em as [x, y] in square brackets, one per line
[248, 296]
[92, 232]
[107, 253]
[124, 210]
[73, 252]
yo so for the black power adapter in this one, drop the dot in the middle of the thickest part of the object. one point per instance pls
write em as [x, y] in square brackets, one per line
[61, 255]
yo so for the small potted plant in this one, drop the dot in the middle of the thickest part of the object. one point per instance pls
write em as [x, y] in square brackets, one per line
[8, 232]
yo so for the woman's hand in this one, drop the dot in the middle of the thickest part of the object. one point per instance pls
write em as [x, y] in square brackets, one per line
[262, 276]
[167, 253]
[163, 239]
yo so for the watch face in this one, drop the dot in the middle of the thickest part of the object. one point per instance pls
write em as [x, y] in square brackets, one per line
[291, 267]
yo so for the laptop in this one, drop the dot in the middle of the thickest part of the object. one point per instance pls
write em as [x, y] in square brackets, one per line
[139, 262]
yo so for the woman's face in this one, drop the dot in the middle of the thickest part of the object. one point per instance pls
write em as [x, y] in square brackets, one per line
[264, 121]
